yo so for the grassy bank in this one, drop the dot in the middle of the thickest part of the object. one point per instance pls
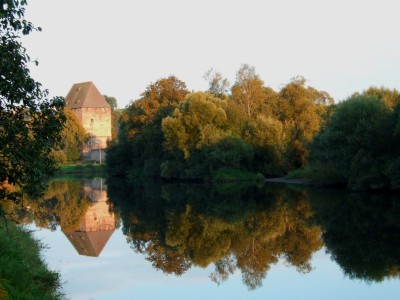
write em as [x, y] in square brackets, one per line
[82, 168]
[23, 274]
[231, 174]
[298, 173]
[222, 175]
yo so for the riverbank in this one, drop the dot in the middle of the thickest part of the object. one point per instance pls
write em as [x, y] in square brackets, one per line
[222, 175]
[23, 273]
[82, 169]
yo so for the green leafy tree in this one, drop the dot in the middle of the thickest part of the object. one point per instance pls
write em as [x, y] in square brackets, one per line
[112, 101]
[163, 94]
[115, 115]
[199, 139]
[248, 90]
[198, 122]
[355, 145]
[388, 96]
[73, 138]
[140, 134]
[30, 123]
[3, 291]
[229, 152]
[301, 112]
[237, 118]
[266, 135]
[270, 107]
[392, 170]
[218, 85]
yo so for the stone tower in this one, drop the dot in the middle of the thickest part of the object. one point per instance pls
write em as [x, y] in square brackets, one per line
[92, 109]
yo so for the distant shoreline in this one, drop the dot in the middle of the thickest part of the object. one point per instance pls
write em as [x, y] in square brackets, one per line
[81, 169]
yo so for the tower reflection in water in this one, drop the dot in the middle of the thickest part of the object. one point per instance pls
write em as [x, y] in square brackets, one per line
[98, 223]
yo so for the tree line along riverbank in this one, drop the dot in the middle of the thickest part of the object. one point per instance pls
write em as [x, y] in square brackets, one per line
[172, 133]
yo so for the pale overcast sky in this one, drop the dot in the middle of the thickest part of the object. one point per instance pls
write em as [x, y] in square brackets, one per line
[124, 45]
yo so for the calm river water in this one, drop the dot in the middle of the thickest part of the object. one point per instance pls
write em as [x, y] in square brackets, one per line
[111, 239]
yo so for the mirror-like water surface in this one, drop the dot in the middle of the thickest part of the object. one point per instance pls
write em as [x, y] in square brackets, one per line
[117, 240]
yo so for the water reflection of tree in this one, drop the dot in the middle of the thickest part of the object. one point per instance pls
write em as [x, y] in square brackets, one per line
[64, 203]
[70, 203]
[362, 233]
[178, 225]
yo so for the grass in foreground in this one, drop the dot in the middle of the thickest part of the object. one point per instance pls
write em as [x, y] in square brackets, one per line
[23, 274]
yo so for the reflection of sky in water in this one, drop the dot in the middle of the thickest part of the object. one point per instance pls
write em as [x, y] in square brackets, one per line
[119, 273]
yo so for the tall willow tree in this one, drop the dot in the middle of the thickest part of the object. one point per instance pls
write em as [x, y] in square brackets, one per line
[30, 123]
[200, 141]
[198, 122]
[301, 111]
